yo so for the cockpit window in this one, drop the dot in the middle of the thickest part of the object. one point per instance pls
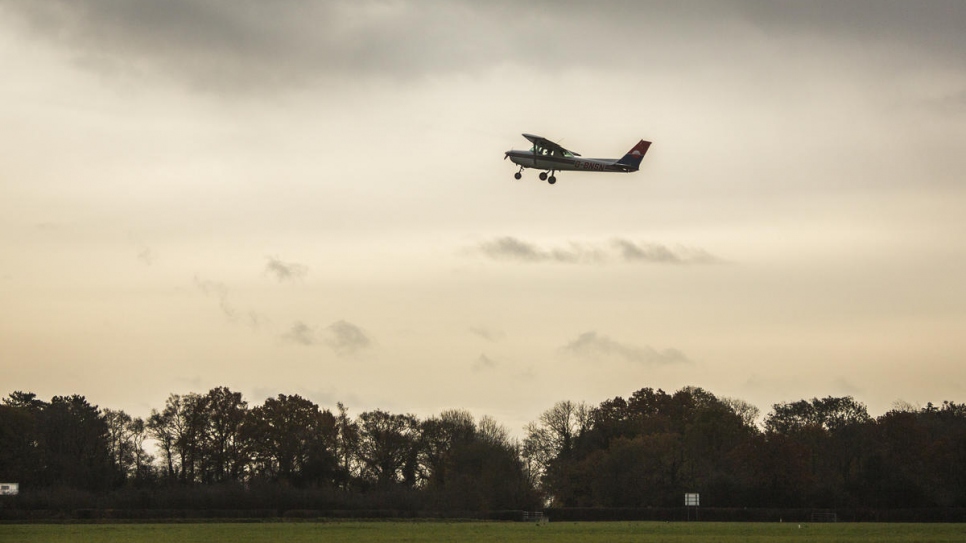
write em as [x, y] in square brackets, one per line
[537, 150]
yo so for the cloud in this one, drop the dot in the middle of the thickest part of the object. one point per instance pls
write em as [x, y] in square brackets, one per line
[484, 363]
[592, 346]
[342, 337]
[488, 334]
[301, 333]
[938, 27]
[662, 254]
[511, 249]
[285, 271]
[146, 256]
[219, 291]
[239, 45]
[507, 248]
[346, 338]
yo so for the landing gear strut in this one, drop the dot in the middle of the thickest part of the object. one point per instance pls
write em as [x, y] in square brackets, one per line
[519, 174]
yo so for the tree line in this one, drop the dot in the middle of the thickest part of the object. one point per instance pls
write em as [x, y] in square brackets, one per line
[643, 451]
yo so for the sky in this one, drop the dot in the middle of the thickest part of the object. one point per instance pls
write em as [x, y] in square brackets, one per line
[308, 197]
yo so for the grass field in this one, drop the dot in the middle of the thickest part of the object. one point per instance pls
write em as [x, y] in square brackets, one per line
[471, 532]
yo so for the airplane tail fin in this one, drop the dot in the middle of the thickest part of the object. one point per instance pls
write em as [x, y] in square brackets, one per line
[634, 157]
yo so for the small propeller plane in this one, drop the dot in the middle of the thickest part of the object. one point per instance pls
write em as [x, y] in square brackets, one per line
[551, 157]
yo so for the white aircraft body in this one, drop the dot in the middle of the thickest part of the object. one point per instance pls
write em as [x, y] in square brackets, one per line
[551, 157]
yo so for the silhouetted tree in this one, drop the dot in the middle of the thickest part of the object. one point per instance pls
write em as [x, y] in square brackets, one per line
[120, 442]
[73, 445]
[143, 468]
[439, 435]
[162, 427]
[347, 447]
[19, 439]
[834, 433]
[388, 448]
[549, 443]
[184, 422]
[293, 440]
[222, 450]
[643, 451]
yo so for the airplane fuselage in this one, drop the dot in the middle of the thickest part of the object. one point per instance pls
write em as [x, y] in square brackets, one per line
[529, 159]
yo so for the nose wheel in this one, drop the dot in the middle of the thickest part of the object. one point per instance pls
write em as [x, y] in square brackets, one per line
[519, 174]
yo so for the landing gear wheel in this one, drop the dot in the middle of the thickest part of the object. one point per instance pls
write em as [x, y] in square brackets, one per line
[552, 180]
[543, 176]
[517, 176]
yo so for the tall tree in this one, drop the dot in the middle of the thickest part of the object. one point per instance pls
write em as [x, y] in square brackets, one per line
[294, 441]
[184, 421]
[143, 469]
[120, 441]
[19, 438]
[438, 437]
[161, 426]
[549, 442]
[388, 448]
[223, 449]
[347, 446]
[73, 445]
[834, 433]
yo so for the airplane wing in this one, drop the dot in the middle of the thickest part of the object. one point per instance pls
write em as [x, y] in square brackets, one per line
[547, 144]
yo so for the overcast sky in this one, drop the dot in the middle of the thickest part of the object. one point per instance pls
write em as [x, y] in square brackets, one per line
[311, 198]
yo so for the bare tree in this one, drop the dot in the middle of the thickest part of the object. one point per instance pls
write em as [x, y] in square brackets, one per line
[553, 435]
[119, 440]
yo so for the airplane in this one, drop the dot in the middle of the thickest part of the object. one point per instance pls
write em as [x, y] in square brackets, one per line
[550, 156]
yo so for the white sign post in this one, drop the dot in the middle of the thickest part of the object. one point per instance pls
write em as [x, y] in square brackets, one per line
[692, 500]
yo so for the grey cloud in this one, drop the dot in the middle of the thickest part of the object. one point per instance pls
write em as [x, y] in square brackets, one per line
[346, 338]
[238, 45]
[220, 292]
[507, 248]
[934, 25]
[285, 271]
[488, 334]
[256, 320]
[590, 345]
[514, 250]
[342, 337]
[661, 254]
[301, 333]
[484, 363]
[146, 255]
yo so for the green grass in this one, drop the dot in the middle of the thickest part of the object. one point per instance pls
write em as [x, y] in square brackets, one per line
[473, 532]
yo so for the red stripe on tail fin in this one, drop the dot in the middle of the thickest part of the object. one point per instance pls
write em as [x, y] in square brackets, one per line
[634, 157]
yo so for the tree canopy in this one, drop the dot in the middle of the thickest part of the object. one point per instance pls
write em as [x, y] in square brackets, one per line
[643, 451]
